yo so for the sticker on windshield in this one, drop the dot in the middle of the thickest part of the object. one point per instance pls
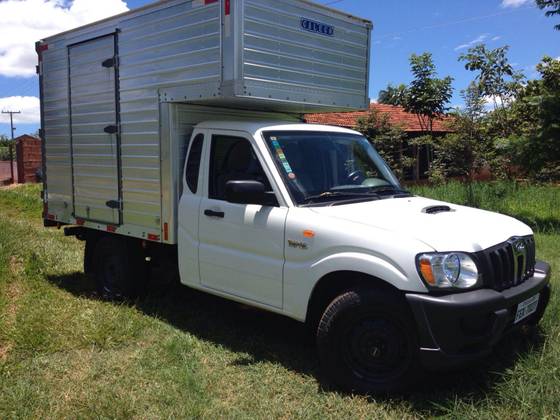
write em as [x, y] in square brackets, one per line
[281, 156]
[286, 165]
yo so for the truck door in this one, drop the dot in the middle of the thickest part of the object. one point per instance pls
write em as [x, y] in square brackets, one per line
[189, 208]
[241, 247]
[94, 130]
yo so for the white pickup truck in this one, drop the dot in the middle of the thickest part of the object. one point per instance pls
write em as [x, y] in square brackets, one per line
[303, 220]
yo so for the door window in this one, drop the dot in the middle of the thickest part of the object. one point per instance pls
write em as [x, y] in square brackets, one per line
[233, 159]
[193, 163]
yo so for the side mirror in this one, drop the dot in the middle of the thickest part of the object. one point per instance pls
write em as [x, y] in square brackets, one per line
[245, 192]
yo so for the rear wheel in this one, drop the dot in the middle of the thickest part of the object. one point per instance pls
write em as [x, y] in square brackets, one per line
[120, 268]
[367, 342]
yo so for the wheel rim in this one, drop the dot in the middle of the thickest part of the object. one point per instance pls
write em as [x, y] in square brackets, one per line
[375, 349]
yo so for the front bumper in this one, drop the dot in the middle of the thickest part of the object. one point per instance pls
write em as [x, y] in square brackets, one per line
[457, 328]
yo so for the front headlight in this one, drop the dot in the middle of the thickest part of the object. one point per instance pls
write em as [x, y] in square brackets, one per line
[448, 270]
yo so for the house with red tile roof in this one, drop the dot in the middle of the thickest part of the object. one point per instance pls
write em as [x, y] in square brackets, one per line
[410, 123]
[396, 114]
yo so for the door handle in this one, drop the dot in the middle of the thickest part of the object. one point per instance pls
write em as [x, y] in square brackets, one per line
[212, 213]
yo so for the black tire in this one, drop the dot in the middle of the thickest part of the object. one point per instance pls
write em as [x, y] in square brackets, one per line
[120, 268]
[89, 255]
[367, 342]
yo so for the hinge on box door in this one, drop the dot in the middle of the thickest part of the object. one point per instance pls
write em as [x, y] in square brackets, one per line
[114, 204]
[110, 62]
[111, 129]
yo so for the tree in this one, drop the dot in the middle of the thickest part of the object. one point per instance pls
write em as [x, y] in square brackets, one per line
[496, 79]
[474, 108]
[462, 152]
[4, 141]
[427, 98]
[535, 145]
[4, 147]
[553, 8]
[393, 95]
[389, 140]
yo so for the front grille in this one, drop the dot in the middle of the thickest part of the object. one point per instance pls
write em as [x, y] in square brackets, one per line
[508, 264]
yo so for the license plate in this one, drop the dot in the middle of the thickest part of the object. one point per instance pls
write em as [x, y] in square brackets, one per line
[526, 308]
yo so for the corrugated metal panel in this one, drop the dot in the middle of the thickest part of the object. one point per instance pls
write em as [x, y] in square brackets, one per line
[173, 45]
[177, 44]
[95, 153]
[172, 42]
[282, 60]
[56, 136]
[185, 51]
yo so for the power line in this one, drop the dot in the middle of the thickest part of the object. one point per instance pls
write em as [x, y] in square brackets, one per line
[444, 24]
[455, 22]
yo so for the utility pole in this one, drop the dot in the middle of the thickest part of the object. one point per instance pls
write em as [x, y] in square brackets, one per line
[12, 142]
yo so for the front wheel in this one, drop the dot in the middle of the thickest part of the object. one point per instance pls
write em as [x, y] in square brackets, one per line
[367, 342]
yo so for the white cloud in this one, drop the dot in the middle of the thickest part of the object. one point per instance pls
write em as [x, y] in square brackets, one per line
[491, 101]
[514, 3]
[496, 38]
[23, 22]
[28, 105]
[477, 40]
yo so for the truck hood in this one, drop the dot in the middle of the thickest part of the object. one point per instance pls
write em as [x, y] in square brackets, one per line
[460, 229]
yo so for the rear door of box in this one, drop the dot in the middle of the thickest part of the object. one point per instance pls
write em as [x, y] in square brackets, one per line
[95, 130]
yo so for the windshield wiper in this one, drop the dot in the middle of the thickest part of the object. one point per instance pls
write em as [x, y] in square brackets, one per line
[335, 194]
[389, 188]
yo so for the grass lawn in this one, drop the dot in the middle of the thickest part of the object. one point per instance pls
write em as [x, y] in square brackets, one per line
[181, 353]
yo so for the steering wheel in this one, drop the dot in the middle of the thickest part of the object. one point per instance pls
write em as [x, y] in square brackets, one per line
[356, 177]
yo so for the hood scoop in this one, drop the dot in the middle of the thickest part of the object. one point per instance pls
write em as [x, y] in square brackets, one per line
[436, 209]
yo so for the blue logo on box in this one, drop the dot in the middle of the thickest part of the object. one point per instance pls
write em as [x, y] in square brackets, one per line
[317, 27]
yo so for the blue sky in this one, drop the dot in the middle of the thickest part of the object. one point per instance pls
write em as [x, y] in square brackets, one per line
[446, 28]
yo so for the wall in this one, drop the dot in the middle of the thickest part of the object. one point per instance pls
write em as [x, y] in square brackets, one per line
[28, 159]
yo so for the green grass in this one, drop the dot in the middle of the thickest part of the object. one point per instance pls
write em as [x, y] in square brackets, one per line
[180, 353]
[536, 205]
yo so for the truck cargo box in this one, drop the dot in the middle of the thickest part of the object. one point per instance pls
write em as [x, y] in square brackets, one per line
[106, 87]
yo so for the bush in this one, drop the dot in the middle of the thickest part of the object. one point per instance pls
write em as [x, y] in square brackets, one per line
[389, 140]
[4, 153]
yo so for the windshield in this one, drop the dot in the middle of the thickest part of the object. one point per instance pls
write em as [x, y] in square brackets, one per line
[327, 166]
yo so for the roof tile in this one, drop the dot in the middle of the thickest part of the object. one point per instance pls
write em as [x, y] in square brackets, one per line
[397, 116]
